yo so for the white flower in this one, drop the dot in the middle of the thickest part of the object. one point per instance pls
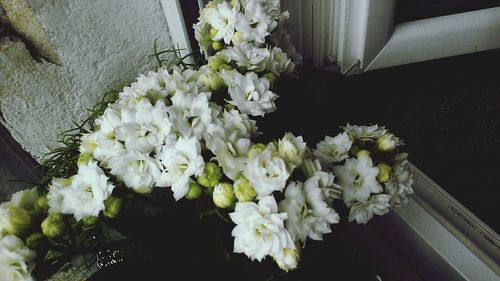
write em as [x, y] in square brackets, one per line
[362, 212]
[266, 171]
[292, 150]
[364, 132]
[231, 155]
[191, 113]
[83, 195]
[16, 260]
[260, 229]
[223, 19]
[181, 161]
[333, 150]
[358, 179]
[308, 213]
[279, 62]
[399, 186]
[102, 146]
[248, 56]
[145, 127]
[249, 92]
[258, 20]
[26, 199]
[137, 170]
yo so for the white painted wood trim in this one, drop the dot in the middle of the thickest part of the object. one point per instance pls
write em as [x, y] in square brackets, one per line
[443, 242]
[177, 26]
[440, 37]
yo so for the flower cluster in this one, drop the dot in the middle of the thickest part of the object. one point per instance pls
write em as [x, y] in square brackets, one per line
[374, 175]
[191, 130]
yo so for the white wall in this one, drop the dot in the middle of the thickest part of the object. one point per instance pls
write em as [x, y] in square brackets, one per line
[101, 43]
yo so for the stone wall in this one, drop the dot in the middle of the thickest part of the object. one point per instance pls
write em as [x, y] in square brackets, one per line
[96, 45]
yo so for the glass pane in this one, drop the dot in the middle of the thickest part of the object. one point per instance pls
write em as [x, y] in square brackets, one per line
[410, 10]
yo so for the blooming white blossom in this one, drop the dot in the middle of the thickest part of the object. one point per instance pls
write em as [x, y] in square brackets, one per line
[362, 212]
[333, 150]
[231, 155]
[26, 199]
[16, 260]
[399, 185]
[145, 127]
[358, 179]
[292, 150]
[266, 171]
[191, 113]
[308, 212]
[364, 132]
[83, 194]
[222, 18]
[249, 93]
[137, 170]
[260, 229]
[181, 161]
[248, 56]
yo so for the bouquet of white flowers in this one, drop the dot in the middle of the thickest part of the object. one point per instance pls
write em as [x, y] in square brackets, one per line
[190, 128]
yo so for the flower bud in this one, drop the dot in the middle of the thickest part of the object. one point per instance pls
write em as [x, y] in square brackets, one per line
[238, 38]
[53, 226]
[35, 240]
[89, 221]
[257, 148]
[217, 45]
[112, 206]
[211, 175]
[216, 63]
[233, 2]
[363, 153]
[270, 76]
[384, 172]
[213, 81]
[223, 195]
[43, 203]
[14, 220]
[195, 191]
[243, 190]
[84, 159]
[387, 142]
[310, 167]
[213, 33]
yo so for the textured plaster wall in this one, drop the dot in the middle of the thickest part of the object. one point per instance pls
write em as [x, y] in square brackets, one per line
[101, 44]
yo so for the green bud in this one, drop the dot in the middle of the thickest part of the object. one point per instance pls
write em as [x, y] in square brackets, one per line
[211, 175]
[15, 220]
[256, 149]
[270, 76]
[84, 159]
[213, 81]
[387, 142]
[43, 203]
[384, 172]
[238, 38]
[233, 2]
[217, 45]
[363, 153]
[213, 33]
[223, 195]
[112, 206]
[35, 241]
[53, 226]
[243, 190]
[89, 221]
[310, 167]
[195, 191]
[215, 63]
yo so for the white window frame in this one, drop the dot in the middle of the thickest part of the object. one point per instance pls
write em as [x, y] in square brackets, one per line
[370, 39]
